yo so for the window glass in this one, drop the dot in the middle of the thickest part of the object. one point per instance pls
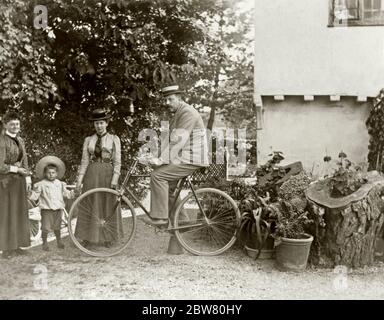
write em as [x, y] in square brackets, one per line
[356, 12]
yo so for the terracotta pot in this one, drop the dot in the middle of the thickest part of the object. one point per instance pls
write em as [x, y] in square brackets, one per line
[292, 254]
[268, 252]
[264, 254]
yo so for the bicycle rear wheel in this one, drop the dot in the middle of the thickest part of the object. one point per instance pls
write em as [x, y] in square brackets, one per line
[35, 229]
[207, 224]
[34, 221]
[64, 219]
[102, 222]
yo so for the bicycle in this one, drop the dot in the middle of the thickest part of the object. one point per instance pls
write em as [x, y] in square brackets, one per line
[205, 222]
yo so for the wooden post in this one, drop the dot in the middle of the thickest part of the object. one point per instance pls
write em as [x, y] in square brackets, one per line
[174, 247]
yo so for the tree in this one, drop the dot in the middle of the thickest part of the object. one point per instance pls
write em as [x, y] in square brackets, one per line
[114, 54]
[25, 65]
[375, 125]
[220, 69]
[107, 53]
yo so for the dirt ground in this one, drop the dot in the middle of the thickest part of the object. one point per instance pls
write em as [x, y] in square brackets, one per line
[146, 271]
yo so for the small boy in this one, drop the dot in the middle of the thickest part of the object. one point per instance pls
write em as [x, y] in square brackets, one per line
[51, 193]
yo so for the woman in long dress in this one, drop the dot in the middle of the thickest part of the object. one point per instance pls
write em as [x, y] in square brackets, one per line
[15, 182]
[100, 168]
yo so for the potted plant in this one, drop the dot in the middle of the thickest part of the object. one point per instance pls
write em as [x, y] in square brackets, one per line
[291, 241]
[259, 212]
[347, 178]
[256, 227]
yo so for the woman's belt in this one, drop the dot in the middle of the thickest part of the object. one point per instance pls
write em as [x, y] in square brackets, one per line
[101, 160]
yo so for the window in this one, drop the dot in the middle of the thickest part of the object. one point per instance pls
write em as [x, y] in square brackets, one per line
[356, 13]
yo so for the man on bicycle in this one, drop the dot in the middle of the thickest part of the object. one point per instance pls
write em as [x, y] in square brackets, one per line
[185, 151]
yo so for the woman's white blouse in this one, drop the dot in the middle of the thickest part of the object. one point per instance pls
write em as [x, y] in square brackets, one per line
[111, 150]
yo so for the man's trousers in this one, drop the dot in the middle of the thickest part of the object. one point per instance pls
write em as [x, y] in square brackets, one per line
[164, 180]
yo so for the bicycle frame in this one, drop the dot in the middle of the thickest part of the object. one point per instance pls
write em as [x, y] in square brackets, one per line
[125, 189]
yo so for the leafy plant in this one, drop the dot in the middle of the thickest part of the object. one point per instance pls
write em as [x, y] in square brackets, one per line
[295, 186]
[347, 179]
[278, 219]
[253, 230]
[265, 213]
[291, 223]
[257, 223]
[375, 124]
[269, 174]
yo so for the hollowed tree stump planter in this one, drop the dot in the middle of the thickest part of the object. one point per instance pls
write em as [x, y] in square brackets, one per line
[352, 223]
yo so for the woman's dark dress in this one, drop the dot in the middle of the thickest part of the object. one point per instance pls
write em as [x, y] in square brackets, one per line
[14, 222]
[99, 175]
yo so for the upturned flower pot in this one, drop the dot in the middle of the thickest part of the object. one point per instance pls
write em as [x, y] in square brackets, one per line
[292, 254]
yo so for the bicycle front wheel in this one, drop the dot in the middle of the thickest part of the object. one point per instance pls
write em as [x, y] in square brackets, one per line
[206, 224]
[102, 222]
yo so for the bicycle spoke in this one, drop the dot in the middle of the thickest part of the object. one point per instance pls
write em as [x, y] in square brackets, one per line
[223, 232]
[212, 208]
[222, 214]
[84, 211]
[213, 237]
[116, 211]
[111, 228]
[219, 234]
[227, 220]
[195, 229]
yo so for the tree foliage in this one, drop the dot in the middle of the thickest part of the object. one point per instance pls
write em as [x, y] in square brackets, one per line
[25, 63]
[375, 125]
[104, 53]
[220, 73]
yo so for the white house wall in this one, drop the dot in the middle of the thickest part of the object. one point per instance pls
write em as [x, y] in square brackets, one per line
[296, 53]
[305, 131]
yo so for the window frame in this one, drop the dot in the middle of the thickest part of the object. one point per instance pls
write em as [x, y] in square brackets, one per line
[361, 21]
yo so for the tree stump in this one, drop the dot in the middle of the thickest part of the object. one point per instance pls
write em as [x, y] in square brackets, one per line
[351, 230]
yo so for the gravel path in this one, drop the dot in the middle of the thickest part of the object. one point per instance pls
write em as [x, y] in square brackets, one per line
[146, 271]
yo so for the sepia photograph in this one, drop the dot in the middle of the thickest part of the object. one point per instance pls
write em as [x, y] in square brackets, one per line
[210, 152]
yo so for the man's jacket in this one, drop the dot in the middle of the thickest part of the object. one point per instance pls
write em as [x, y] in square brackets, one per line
[187, 141]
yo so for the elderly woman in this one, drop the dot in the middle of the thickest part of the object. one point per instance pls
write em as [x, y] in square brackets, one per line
[100, 168]
[14, 184]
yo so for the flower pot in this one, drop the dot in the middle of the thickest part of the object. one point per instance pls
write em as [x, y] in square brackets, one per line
[292, 254]
[264, 254]
[267, 252]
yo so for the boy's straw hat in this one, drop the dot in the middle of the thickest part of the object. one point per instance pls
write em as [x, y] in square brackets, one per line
[50, 160]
